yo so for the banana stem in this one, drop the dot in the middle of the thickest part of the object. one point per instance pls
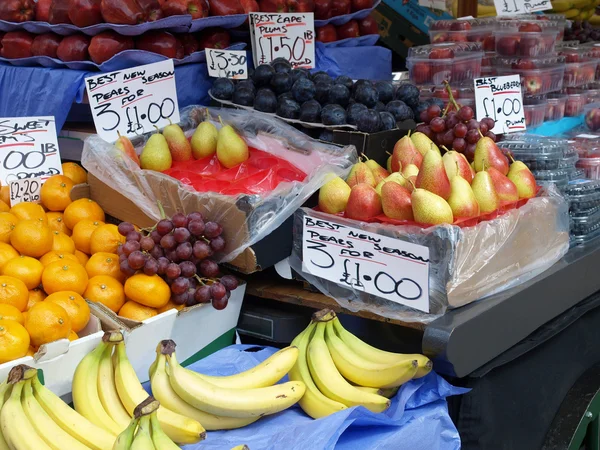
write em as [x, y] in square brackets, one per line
[146, 408]
[20, 373]
[325, 315]
[167, 347]
[112, 337]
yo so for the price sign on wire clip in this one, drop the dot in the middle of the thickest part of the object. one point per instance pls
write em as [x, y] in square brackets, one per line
[290, 36]
[515, 7]
[501, 99]
[28, 148]
[227, 63]
[133, 101]
[355, 259]
[25, 190]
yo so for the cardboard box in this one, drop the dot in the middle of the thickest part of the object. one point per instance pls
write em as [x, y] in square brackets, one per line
[419, 16]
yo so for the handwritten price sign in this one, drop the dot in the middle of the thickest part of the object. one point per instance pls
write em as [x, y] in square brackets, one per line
[514, 7]
[25, 190]
[28, 148]
[389, 268]
[227, 63]
[287, 35]
[133, 101]
[501, 99]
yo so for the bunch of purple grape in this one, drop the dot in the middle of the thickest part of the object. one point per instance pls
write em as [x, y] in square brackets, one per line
[457, 130]
[180, 250]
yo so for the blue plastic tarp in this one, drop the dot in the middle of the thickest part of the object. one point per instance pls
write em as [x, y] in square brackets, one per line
[417, 418]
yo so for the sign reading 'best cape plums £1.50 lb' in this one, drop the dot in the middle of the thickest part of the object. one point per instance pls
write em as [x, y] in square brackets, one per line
[500, 98]
[28, 148]
[133, 101]
[379, 265]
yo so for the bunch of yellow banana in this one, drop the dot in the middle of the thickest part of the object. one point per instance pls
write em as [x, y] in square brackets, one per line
[106, 390]
[341, 371]
[33, 418]
[222, 403]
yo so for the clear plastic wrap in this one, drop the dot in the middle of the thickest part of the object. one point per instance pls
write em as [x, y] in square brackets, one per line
[466, 264]
[246, 219]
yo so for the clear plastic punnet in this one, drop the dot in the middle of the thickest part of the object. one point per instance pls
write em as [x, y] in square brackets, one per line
[245, 218]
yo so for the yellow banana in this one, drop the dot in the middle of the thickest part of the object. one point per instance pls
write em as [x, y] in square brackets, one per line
[142, 439]
[388, 392]
[376, 355]
[180, 429]
[330, 381]
[486, 9]
[371, 390]
[164, 393]
[571, 13]
[160, 440]
[50, 432]
[595, 20]
[71, 421]
[580, 4]
[125, 439]
[314, 403]
[4, 388]
[107, 390]
[241, 447]
[561, 5]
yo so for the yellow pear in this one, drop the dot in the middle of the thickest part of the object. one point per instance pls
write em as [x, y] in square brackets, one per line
[204, 140]
[231, 148]
[333, 196]
[155, 154]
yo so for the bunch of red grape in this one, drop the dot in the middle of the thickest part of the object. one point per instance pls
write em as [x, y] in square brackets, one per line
[456, 130]
[180, 251]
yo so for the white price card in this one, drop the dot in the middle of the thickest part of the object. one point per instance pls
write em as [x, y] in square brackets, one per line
[290, 36]
[227, 63]
[501, 99]
[28, 148]
[515, 7]
[133, 101]
[25, 190]
[355, 259]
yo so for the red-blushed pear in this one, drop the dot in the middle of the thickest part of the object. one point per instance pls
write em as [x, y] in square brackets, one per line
[394, 178]
[360, 173]
[484, 191]
[462, 200]
[410, 173]
[379, 172]
[364, 203]
[488, 154]
[432, 175]
[333, 196]
[125, 145]
[429, 208]
[405, 153]
[396, 201]
[506, 189]
[423, 144]
[456, 164]
[523, 179]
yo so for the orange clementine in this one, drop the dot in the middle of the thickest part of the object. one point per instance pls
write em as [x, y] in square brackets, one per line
[64, 276]
[31, 238]
[7, 252]
[29, 211]
[56, 222]
[73, 336]
[5, 194]
[170, 305]
[55, 194]
[134, 311]
[35, 296]
[106, 290]
[25, 268]
[82, 257]
[104, 263]
[75, 172]
[52, 256]
[151, 291]
[47, 322]
[4, 207]
[106, 238]
[8, 222]
[14, 341]
[62, 243]
[9, 312]
[13, 292]
[82, 233]
[82, 209]
[75, 306]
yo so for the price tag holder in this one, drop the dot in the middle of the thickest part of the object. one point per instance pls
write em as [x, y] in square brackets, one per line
[515, 7]
[501, 99]
[379, 265]
[25, 190]
[133, 101]
[286, 35]
[28, 148]
[227, 63]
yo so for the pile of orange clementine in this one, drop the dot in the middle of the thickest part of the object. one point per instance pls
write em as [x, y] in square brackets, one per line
[53, 256]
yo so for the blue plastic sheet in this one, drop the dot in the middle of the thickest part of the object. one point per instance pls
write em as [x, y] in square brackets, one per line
[417, 419]
[361, 41]
[375, 62]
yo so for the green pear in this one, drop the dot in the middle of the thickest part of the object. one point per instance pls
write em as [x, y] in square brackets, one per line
[485, 193]
[396, 201]
[360, 173]
[462, 199]
[379, 172]
[333, 196]
[429, 208]
[432, 175]
[204, 140]
[423, 144]
[523, 179]
[395, 178]
[180, 147]
[155, 154]
[231, 148]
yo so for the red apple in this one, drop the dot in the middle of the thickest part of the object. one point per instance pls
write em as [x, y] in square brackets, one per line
[107, 44]
[489, 44]
[300, 5]
[441, 53]
[340, 7]
[421, 73]
[276, 6]
[592, 119]
[17, 10]
[348, 30]
[458, 37]
[326, 33]
[59, 12]
[123, 12]
[533, 84]
[523, 64]
[508, 45]
[74, 48]
[196, 8]
[530, 46]
[249, 6]
[179, 49]
[42, 10]
[322, 9]
[368, 25]
[17, 44]
[190, 43]
[439, 37]
[571, 57]
[214, 38]
[84, 13]
[530, 27]
[159, 42]
[460, 25]
[359, 5]
[151, 9]
[46, 45]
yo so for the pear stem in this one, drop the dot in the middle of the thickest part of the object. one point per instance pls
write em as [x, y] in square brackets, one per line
[221, 120]
[157, 129]
[206, 114]
[480, 133]
[388, 153]
[511, 157]
[444, 147]
[409, 180]
[170, 123]
[408, 134]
